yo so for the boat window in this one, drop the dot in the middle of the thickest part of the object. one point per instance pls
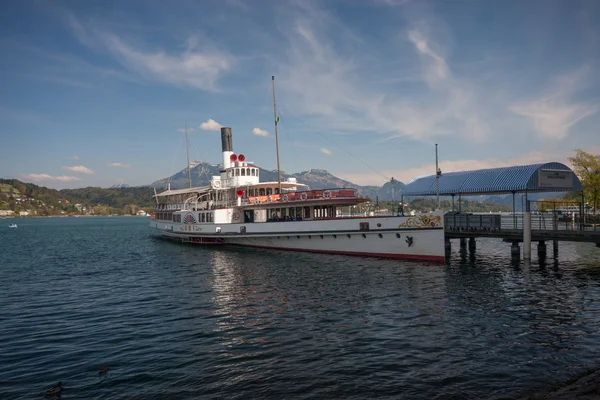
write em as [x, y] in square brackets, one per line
[237, 172]
[253, 172]
[276, 190]
[203, 217]
[261, 191]
[306, 213]
[269, 191]
[248, 171]
[243, 171]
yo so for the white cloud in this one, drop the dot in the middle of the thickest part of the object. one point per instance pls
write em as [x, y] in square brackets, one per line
[119, 165]
[260, 132]
[46, 177]
[325, 151]
[76, 158]
[552, 113]
[192, 67]
[80, 169]
[210, 125]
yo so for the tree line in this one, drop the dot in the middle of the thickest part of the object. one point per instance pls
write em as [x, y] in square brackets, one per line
[20, 196]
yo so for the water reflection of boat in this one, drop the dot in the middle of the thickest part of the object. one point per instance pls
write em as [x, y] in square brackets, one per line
[12, 225]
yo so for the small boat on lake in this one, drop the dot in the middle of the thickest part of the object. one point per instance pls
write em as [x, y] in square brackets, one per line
[12, 225]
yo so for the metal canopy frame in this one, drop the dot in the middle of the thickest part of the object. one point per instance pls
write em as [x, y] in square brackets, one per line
[516, 179]
[513, 180]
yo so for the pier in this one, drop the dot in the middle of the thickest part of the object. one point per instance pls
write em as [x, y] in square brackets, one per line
[540, 221]
[545, 230]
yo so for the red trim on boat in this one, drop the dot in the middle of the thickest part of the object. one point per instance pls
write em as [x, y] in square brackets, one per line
[353, 253]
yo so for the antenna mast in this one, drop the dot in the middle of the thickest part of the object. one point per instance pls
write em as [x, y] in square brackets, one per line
[187, 149]
[276, 134]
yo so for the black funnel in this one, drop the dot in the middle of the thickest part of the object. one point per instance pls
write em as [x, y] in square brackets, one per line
[226, 139]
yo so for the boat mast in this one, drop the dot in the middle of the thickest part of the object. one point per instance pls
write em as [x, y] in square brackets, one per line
[276, 134]
[438, 173]
[187, 149]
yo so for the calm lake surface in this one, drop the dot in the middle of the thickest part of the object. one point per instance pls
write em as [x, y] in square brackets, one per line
[181, 322]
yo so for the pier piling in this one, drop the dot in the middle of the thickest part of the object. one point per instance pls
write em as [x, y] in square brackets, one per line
[515, 250]
[527, 234]
[541, 249]
[463, 243]
[472, 244]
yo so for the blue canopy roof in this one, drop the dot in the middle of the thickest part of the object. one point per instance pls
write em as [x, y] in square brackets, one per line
[548, 177]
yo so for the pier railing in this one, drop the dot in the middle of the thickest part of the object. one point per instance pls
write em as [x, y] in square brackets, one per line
[546, 215]
[547, 221]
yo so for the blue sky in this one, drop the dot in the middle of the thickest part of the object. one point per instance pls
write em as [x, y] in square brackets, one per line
[95, 93]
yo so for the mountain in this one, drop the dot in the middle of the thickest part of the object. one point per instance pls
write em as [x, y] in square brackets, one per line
[314, 178]
[119, 186]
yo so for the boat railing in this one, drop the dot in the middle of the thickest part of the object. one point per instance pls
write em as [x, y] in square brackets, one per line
[292, 197]
[321, 194]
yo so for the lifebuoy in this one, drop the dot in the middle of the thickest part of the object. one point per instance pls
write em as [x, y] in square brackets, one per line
[285, 197]
[303, 196]
[257, 201]
[327, 194]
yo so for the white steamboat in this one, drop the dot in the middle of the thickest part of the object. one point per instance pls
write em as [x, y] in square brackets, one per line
[238, 209]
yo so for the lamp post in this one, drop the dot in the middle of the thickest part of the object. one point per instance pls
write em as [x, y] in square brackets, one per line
[392, 182]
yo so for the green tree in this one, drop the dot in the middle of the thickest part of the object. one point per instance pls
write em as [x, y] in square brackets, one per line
[587, 168]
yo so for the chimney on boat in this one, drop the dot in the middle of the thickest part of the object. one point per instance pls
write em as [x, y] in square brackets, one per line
[226, 146]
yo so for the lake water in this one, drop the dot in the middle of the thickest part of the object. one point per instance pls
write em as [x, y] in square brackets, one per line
[183, 322]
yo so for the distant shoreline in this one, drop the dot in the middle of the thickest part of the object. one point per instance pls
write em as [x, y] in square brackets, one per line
[69, 216]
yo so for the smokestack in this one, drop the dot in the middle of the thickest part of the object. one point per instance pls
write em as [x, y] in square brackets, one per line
[226, 139]
[226, 146]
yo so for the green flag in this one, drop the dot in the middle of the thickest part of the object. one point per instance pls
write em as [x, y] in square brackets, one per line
[276, 120]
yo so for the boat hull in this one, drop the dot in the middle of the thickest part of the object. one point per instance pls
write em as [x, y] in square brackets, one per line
[416, 238]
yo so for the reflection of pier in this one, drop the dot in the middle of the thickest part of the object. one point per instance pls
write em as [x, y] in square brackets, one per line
[545, 224]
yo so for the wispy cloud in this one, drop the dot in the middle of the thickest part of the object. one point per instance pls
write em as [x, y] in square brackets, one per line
[47, 177]
[327, 83]
[554, 113]
[118, 165]
[436, 68]
[194, 67]
[210, 125]
[80, 169]
[325, 151]
[39, 63]
[76, 158]
[406, 175]
[189, 129]
[260, 132]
